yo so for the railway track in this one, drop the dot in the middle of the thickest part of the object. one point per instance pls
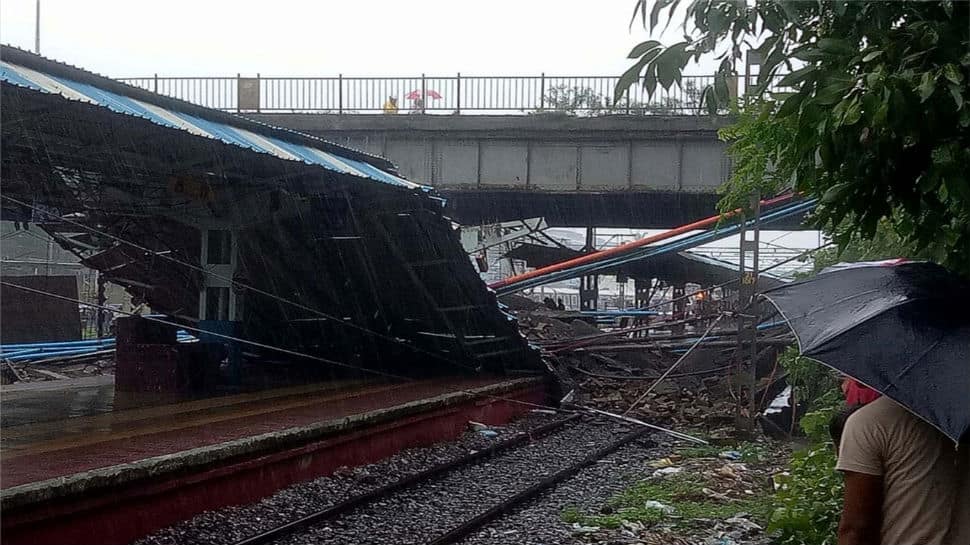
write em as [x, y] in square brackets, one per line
[438, 506]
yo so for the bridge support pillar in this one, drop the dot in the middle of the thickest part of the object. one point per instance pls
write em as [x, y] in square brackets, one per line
[680, 308]
[589, 285]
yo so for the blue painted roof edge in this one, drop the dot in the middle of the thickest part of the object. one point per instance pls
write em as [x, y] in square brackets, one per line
[33, 61]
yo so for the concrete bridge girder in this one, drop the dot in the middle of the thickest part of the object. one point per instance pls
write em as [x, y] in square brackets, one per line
[609, 171]
[541, 152]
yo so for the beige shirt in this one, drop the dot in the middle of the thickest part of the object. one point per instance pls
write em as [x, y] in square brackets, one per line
[926, 480]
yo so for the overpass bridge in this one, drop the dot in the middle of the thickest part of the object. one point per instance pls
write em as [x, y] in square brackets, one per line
[506, 148]
[608, 171]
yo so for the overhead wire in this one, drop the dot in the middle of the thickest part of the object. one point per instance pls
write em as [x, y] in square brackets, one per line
[674, 365]
[254, 289]
[264, 346]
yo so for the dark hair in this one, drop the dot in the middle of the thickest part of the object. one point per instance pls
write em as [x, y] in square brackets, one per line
[837, 424]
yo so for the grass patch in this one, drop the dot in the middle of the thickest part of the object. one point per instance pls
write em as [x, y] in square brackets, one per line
[682, 492]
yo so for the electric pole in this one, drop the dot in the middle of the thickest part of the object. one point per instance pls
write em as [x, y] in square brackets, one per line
[37, 29]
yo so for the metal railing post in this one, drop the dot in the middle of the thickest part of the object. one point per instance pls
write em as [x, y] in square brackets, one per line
[155, 88]
[259, 93]
[238, 78]
[542, 92]
[340, 93]
[424, 95]
[458, 94]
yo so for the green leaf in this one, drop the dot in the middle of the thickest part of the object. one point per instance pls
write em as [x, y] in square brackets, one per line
[796, 77]
[872, 55]
[831, 93]
[721, 92]
[952, 73]
[882, 113]
[655, 12]
[834, 193]
[627, 79]
[837, 46]
[642, 48]
[790, 106]
[771, 17]
[650, 79]
[853, 113]
[670, 63]
[957, 93]
[808, 54]
[707, 98]
[708, 101]
[926, 86]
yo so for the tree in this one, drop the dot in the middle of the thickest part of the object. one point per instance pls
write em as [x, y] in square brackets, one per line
[878, 125]
[585, 101]
[576, 100]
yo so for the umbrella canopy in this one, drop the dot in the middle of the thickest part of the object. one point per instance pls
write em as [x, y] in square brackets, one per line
[903, 329]
[429, 93]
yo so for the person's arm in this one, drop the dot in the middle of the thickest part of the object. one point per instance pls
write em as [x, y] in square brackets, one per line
[861, 520]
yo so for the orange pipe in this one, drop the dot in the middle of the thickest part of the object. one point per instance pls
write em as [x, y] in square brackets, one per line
[596, 256]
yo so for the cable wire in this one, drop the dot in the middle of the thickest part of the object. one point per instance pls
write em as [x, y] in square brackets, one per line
[281, 350]
[235, 282]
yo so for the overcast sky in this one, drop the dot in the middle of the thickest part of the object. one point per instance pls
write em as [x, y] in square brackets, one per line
[326, 37]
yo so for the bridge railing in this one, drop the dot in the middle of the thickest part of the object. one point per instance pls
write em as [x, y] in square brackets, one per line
[581, 95]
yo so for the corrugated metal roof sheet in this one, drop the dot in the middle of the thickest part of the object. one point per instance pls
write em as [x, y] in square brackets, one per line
[194, 124]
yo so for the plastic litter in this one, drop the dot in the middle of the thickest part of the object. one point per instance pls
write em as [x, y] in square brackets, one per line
[732, 455]
[743, 523]
[667, 471]
[661, 463]
[580, 529]
[663, 507]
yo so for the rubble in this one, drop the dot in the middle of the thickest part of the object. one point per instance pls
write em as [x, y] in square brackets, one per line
[716, 493]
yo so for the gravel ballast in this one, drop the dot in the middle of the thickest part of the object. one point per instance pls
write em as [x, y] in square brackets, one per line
[540, 521]
[235, 523]
[419, 514]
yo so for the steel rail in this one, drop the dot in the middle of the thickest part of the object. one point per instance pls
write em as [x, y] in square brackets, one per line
[350, 504]
[471, 525]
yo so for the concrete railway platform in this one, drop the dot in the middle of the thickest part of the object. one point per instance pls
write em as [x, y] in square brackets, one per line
[77, 470]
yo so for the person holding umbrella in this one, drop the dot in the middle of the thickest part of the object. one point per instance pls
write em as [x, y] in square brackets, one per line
[901, 329]
[418, 97]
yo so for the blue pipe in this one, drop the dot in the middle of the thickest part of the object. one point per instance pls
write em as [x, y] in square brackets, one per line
[45, 355]
[53, 352]
[56, 344]
[106, 340]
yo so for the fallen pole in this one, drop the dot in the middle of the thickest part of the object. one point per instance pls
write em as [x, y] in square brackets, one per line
[674, 365]
[639, 422]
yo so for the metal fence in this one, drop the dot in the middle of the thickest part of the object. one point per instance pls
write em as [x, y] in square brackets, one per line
[582, 95]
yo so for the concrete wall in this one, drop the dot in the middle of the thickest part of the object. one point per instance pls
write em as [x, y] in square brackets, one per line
[542, 153]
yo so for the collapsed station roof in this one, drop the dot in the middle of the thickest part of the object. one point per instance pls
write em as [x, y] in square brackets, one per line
[673, 268]
[346, 259]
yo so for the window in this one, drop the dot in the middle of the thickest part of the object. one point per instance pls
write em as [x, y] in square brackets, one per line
[219, 250]
[216, 304]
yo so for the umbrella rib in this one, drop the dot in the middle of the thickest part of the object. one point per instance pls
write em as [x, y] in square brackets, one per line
[818, 344]
[915, 362]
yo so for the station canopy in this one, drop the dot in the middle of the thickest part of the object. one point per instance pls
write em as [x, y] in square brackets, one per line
[339, 256]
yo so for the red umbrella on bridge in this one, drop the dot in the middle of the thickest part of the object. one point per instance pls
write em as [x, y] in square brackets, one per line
[416, 94]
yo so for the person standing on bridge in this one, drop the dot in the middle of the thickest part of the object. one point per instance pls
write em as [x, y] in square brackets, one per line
[390, 106]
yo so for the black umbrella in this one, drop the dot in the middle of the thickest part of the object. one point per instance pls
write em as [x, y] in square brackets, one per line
[903, 329]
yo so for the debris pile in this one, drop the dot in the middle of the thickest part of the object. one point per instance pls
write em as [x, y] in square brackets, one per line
[37, 372]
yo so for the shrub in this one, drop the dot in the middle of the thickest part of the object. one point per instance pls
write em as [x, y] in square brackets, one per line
[809, 500]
